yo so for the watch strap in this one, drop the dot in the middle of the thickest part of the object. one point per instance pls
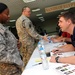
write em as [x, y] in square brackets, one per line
[57, 58]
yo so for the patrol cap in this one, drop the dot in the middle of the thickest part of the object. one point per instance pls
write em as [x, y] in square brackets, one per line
[2, 7]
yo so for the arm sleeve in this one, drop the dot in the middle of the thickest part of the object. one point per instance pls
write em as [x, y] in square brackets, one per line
[30, 29]
[3, 51]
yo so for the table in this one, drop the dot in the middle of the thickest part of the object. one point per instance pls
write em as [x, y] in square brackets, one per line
[33, 67]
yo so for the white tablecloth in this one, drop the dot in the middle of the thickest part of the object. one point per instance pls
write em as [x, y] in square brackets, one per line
[35, 59]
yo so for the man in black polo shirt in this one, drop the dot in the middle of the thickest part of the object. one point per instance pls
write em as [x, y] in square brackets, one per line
[73, 37]
[67, 24]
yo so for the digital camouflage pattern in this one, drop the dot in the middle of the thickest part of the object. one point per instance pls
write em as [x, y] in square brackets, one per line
[9, 52]
[27, 36]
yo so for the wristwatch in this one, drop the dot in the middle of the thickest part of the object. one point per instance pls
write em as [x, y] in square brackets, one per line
[57, 58]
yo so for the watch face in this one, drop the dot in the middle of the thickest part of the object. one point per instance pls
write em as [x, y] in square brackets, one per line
[57, 59]
[48, 54]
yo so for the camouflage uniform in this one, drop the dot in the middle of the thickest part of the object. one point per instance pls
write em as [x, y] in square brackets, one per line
[27, 36]
[10, 60]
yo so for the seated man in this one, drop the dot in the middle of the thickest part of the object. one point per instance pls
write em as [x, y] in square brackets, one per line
[67, 24]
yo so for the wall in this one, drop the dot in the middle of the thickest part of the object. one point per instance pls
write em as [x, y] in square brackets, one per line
[49, 26]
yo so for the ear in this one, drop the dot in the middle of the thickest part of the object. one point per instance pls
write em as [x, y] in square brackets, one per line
[69, 21]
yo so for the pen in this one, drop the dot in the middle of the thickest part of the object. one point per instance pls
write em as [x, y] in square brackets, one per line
[56, 50]
[37, 64]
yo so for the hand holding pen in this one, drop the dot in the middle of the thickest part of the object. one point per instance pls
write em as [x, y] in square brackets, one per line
[56, 51]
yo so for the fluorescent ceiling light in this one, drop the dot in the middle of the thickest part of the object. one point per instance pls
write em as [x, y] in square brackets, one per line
[27, 1]
[42, 20]
[35, 10]
[12, 20]
[38, 14]
[40, 17]
[66, 8]
[73, 1]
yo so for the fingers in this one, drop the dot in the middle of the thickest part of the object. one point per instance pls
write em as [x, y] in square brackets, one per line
[45, 38]
[52, 59]
[56, 51]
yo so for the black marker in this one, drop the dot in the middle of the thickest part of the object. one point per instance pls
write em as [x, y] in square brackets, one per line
[56, 50]
[37, 64]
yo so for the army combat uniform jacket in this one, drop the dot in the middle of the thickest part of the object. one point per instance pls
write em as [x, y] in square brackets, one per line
[9, 54]
[27, 36]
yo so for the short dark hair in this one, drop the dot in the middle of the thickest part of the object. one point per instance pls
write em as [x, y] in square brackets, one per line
[24, 8]
[68, 15]
[2, 7]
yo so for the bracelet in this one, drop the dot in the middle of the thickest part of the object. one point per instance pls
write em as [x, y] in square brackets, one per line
[57, 59]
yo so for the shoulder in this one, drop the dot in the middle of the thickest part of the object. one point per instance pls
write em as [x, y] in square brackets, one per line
[2, 29]
[19, 19]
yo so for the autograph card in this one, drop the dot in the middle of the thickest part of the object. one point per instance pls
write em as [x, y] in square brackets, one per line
[66, 69]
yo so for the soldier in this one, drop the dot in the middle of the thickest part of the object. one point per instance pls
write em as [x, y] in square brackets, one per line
[27, 34]
[10, 60]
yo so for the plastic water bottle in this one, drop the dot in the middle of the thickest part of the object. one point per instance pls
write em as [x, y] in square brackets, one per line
[43, 56]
